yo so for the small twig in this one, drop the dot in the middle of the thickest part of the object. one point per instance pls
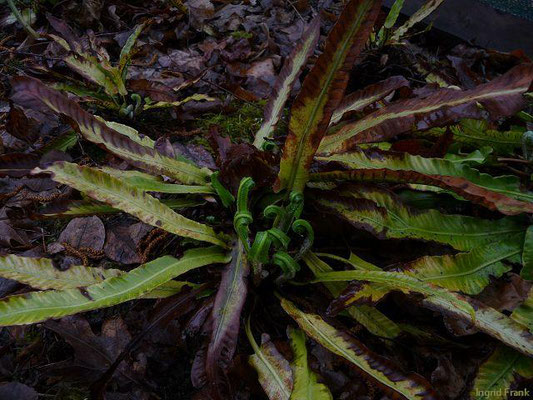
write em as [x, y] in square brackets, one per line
[20, 19]
[296, 10]
[515, 160]
[518, 172]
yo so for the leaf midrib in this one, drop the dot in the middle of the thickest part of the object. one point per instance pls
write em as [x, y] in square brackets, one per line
[195, 261]
[340, 56]
[136, 200]
[361, 364]
[330, 142]
[472, 271]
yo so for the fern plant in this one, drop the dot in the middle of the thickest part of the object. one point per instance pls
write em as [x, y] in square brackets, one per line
[264, 246]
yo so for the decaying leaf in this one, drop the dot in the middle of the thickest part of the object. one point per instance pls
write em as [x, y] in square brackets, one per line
[34, 94]
[225, 319]
[360, 99]
[274, 371]
[461, 186]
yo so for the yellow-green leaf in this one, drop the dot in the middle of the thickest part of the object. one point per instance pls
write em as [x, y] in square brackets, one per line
[410, 386]
[108, 189]
[34, 307]
[371, 318]
[497, 373]
[465, 272]
[40, 273]
[306, 385]
[383, 215]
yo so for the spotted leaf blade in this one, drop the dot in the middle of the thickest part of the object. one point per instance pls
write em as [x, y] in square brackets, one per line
[40, 273]
[151, 183]
[322, 92]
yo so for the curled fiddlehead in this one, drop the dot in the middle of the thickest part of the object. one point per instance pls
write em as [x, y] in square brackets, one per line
[296, 204]
[279, 238]
[269, 146]
[260, 247]
[304, 228]
[226, 197]
[287, 264]
[273, 211]
[243, 217]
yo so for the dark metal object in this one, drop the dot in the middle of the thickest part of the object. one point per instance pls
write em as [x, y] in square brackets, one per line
[481, 24]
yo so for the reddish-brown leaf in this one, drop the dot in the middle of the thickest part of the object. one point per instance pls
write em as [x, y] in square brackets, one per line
[502, 96]
[225, 320]
[286, 80]
[322, 92]
[360, 99]
[17, 164]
